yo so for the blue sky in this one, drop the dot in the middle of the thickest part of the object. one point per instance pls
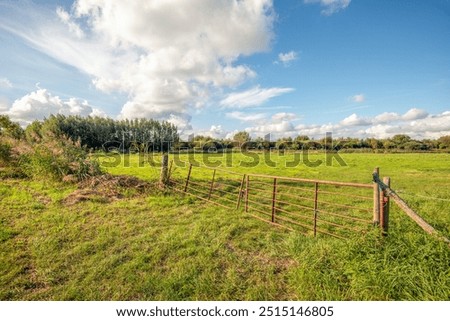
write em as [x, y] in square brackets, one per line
[369, 68]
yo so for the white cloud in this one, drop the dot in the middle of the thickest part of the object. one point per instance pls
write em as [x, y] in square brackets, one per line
[330, 6]
[360, 98]
[5, 83]
[168, 56]
[215, 131]
[65, 17]
[276, 129]
[354, 120]
[386, 117]
[253, 97]
[414, 114]
[41, 103]
[287, 58]
[284, 116]
[246, 117]
[381, 126]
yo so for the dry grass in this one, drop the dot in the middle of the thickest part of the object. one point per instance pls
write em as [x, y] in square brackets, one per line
[107, 188]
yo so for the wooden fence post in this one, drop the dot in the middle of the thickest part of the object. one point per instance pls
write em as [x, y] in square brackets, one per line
[247, 185]
[164, 177]
[188, 177]
[212, 185]
[376, 198]
[241, 189]
[170, 170]
[385, 212]
[274, 196]
[316, 196]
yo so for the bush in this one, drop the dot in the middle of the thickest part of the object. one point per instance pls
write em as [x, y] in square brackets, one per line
[5, 153]
[57, 158]
[42, 152]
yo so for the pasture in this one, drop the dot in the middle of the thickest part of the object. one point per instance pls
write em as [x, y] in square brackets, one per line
[161, 245]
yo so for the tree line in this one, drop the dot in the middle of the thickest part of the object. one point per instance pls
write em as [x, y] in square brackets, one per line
[243, 140]
[98, 133]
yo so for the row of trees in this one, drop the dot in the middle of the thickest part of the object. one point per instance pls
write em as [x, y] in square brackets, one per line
[243, 140]
[105, 133]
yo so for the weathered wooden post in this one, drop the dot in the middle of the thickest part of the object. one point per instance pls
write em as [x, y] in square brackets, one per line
[164, 177]
[384, 219]
[170, 170]
[376, 197]
[187, 178]
[274, 197]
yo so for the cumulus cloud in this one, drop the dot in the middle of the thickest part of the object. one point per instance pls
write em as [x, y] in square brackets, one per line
[253, 97]
[354, 120]
[287, 58]
[386, 117]
[276, 129]
[5, 83]
[414, 114]
[41, 103]
[330, 6]
[415, 123]
[65, 17]
[168, 56]
[215, 131]
[360, 98]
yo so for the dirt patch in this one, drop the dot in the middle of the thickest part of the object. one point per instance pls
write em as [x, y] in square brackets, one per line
[108, 188]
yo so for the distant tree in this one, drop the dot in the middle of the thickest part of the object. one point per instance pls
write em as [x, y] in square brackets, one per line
[301, 138]
[374, 143]
[444, 142]
[388, 144]
[241, 137]
[400, 140]
[284, 143]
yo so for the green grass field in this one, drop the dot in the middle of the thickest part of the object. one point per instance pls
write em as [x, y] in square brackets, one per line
[164, 246]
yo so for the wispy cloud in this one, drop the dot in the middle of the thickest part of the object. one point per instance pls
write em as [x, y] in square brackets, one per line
[246, 117]
[360, 98]
[253, 97]
[5, 83]
[330, 6]
[287, 58]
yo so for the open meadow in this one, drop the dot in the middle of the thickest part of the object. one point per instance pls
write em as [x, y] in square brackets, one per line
[152, 244]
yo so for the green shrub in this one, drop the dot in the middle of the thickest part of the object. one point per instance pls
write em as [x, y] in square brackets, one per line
[5, 153]
[56, 158]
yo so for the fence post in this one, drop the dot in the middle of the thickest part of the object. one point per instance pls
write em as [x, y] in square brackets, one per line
[188, 177]
[247, 185]
[240, 192]
[274, 196]
[376, 198]
[316, 195]
[170, 170]
[164, 177]
[212, 185]
[385, 211]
